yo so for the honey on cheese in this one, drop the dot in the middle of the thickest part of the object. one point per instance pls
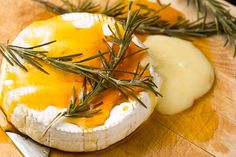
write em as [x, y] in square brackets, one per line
[38, 90]
[186, 73]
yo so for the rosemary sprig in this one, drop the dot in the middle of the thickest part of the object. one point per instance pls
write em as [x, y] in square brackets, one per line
[82, 6]
[116, 9]
[182, 28]
[224, 21]
[155, 25]
[53, 7]
[85, 6]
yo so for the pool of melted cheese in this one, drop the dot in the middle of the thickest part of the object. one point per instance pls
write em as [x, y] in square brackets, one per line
[185, 71]
[38, 90]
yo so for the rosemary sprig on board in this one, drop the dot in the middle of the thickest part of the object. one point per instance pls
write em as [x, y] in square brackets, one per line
[53, 7]
[224, 22]
[84, 6]
[116, 9]
[182, 28]
[155, 25]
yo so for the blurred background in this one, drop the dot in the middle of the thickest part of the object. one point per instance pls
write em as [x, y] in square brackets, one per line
[232, 1]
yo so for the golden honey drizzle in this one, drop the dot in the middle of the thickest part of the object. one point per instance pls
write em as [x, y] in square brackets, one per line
[56, 89]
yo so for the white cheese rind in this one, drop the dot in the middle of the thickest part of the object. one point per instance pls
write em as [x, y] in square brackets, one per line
[123, 120]
[70, 137]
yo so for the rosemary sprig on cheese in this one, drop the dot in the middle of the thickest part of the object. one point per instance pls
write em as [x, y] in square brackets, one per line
[96, 78]
[223, 23]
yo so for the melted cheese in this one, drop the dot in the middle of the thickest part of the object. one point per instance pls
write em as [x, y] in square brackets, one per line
[186, 73]
[37, 90]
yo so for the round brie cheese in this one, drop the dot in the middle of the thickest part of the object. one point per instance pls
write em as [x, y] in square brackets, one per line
[123, 120]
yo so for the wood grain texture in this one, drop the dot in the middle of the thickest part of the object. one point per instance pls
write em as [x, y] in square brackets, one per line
[206, 129]
[7, 148]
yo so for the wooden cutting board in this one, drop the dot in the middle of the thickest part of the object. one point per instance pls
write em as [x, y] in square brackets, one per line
[206, 129]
